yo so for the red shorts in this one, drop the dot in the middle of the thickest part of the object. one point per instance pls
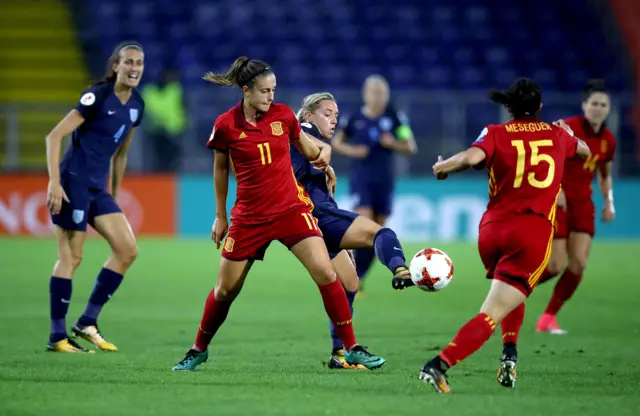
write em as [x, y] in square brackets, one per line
[250, 241]
[579, 217]
[516, 250]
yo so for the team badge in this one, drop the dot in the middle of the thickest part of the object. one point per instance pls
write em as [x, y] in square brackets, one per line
[228, 244]
[276, 128]
[77, 216]
[88, 99]
[603, 146]
[386, 124]
[482, 135]
[133, 114]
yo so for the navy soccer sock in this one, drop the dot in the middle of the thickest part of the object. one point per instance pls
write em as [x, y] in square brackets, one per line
[389, 250]
[59, 299]
[364, 259]
[335, 339]
[106, 285]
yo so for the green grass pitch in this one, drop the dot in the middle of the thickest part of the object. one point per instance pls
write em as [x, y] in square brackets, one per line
[267, 358]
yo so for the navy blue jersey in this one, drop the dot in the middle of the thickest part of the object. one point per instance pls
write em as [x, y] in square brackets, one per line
[378, 166]
[107, 123]
[313, 180]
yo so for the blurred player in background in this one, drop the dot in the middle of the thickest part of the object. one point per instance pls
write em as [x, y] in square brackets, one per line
[575, 220]
[103, 124]
[370, 138]
[341, 229]
[254, 139]
[525, 159]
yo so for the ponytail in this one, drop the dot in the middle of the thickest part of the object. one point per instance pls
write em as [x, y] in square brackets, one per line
[522, 98]
[243, 72]
[110, 75]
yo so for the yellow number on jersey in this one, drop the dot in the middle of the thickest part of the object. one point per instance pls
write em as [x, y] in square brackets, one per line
[535, 159]
[590, 163]
[265, 153]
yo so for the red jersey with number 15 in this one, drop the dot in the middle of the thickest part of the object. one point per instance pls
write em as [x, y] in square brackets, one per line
[525, 159]
[578, 173]
[260, 159]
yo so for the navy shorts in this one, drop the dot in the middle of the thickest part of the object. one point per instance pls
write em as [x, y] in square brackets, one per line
[334, 223]
[85, 204]
[378, 197]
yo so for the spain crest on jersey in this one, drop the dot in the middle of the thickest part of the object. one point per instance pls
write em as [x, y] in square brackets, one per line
[133, 114]
[603, 146]
[276, 128]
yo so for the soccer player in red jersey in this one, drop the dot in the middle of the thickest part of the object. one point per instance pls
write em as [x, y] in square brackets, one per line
[253, 138]
[525, 159]
[575, 219]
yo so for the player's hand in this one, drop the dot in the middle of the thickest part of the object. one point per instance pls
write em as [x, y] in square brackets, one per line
[437, 170]
[324, 158]
[360, 151]
[332, 180]
[560, 123]
[608, 212]
[562, 200]
[55, 196]
[387, 140]
[219, 230]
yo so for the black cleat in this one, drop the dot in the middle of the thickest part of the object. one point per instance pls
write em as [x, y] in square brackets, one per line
[436, 377]
[402, 279]
[507, 371]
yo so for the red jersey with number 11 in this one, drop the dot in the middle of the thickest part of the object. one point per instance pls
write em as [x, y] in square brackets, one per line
[525, 159]
[260, 159]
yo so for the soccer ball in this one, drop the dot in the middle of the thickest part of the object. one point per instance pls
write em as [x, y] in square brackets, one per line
[431, 269]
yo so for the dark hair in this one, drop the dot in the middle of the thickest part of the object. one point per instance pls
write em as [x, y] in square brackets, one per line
[522, 98]
[110, 75]
[243, 71]
[593, 86]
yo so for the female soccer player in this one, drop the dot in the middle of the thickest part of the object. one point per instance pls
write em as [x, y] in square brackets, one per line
[341, 230]
[525, 158]
[371, 138]
[103, 124]
[575, 222]
[254, 137]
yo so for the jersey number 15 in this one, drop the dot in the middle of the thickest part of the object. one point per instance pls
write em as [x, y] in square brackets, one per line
[535, 159]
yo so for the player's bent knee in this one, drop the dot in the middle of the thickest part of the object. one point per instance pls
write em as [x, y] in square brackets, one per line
[324, 276]
[555, 266]
[577, 265]
[127, 253]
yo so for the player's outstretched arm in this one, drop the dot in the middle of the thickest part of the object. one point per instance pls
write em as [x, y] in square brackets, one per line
[459, 162]
[119, 163]
[55, 193]
[318, 156]
[582, 150]
[221, 189]
[339, 143]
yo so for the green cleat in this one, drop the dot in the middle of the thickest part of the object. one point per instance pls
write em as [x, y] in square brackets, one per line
[191, 360]
[358, 355]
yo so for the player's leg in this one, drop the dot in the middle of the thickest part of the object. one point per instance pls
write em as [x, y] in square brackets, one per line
[231, 277]
[547, 321]
[510, 327]
[516, 273]
[304, 240]
[108, 220]
[344, 266]
[364, 207]
[242, 247]
[71, 227]
[558, 259]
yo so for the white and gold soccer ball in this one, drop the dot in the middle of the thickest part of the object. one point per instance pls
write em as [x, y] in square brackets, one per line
[431, 269]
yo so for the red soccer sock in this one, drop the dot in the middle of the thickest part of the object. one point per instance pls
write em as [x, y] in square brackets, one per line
[511, 325]
[337, 307]
[563, 291]
[215, 312]
[469, 339]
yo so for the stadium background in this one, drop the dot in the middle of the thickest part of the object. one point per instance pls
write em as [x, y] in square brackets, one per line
[440, 59]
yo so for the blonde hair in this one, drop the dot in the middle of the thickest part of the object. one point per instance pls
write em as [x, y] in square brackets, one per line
[311, 102]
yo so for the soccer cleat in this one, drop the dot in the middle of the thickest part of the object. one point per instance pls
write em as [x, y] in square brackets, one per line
[507, 371]
[337, 361]
[437, 378]
[548, 323]
[92, 334]
[402, 279]
[360, 356]
[67, 345]
[191, 360]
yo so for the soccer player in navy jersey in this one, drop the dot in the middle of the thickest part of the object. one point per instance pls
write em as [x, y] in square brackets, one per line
[102, 126]
[341, 229]
[370, 138]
